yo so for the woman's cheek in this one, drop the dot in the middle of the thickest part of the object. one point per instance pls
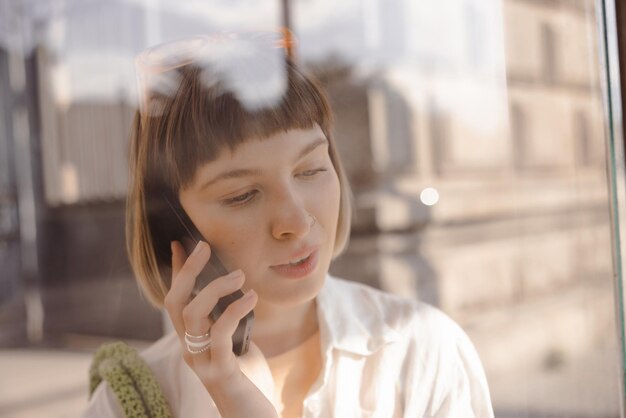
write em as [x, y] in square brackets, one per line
[233, 240]
[328, 194]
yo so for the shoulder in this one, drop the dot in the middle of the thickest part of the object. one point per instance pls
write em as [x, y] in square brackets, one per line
[163, 351]
[103, 403]
[162, 357]
[407, 316]
[362, 319]
[435, 355]
[451, 365]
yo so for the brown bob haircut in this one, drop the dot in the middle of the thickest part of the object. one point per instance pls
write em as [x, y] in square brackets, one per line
[188, 126]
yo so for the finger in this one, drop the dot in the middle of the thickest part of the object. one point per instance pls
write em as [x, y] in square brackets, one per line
[178, 258]
[219, 360]
[196, 313]
[183, 282]
[223, 329]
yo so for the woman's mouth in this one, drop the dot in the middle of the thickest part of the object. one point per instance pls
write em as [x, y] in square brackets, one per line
[298, 268]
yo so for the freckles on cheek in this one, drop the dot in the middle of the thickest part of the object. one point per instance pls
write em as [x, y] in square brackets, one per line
[239, 253]
[230, 239]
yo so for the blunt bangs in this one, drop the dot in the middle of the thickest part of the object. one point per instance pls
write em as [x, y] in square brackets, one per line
[198, 123]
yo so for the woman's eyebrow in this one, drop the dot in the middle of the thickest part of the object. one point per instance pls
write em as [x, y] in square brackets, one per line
[310, 147]
[231, 174]
[246, 172]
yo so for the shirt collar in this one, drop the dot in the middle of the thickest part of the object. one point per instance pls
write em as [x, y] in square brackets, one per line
[352, 317]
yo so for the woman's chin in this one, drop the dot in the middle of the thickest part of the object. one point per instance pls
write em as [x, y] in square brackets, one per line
[291, 293]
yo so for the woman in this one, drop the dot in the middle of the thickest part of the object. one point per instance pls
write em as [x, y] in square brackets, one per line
[251, 160]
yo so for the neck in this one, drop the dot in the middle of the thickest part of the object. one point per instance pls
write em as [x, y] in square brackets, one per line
[279, 329]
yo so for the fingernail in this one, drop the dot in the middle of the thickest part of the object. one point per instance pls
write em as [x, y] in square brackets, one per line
[248, 294]
[199, 247]
[235, 274]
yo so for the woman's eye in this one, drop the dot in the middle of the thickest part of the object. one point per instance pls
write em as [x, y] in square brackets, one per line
[241, 199]
[311, 173]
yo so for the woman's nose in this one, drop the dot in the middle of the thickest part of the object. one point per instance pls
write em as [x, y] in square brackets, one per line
[290, 218]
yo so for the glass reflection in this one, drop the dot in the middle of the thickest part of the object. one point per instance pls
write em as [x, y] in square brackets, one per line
[472, 134]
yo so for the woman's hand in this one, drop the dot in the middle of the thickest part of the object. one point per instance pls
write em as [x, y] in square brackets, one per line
[239, 386]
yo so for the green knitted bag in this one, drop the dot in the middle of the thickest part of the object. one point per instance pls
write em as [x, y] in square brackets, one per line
[131, 379]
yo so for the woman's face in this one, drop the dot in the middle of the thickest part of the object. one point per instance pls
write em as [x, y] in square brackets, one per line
[265, 206]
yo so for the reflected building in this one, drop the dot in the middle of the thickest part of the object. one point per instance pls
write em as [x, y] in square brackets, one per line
[509, 129]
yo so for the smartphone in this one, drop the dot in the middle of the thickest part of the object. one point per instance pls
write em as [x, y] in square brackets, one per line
[189, 236]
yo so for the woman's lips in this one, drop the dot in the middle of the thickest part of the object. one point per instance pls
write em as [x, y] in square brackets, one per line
[298, 270]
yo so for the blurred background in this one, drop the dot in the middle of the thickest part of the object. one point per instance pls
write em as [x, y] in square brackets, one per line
[474, 133]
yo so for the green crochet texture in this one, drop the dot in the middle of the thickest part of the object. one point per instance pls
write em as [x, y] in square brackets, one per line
[131, 379]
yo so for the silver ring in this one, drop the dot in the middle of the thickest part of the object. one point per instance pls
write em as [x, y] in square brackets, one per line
[201, 350]
[197, 338]
[198, 343]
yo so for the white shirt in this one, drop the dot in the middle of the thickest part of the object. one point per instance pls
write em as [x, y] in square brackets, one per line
[383, 356]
